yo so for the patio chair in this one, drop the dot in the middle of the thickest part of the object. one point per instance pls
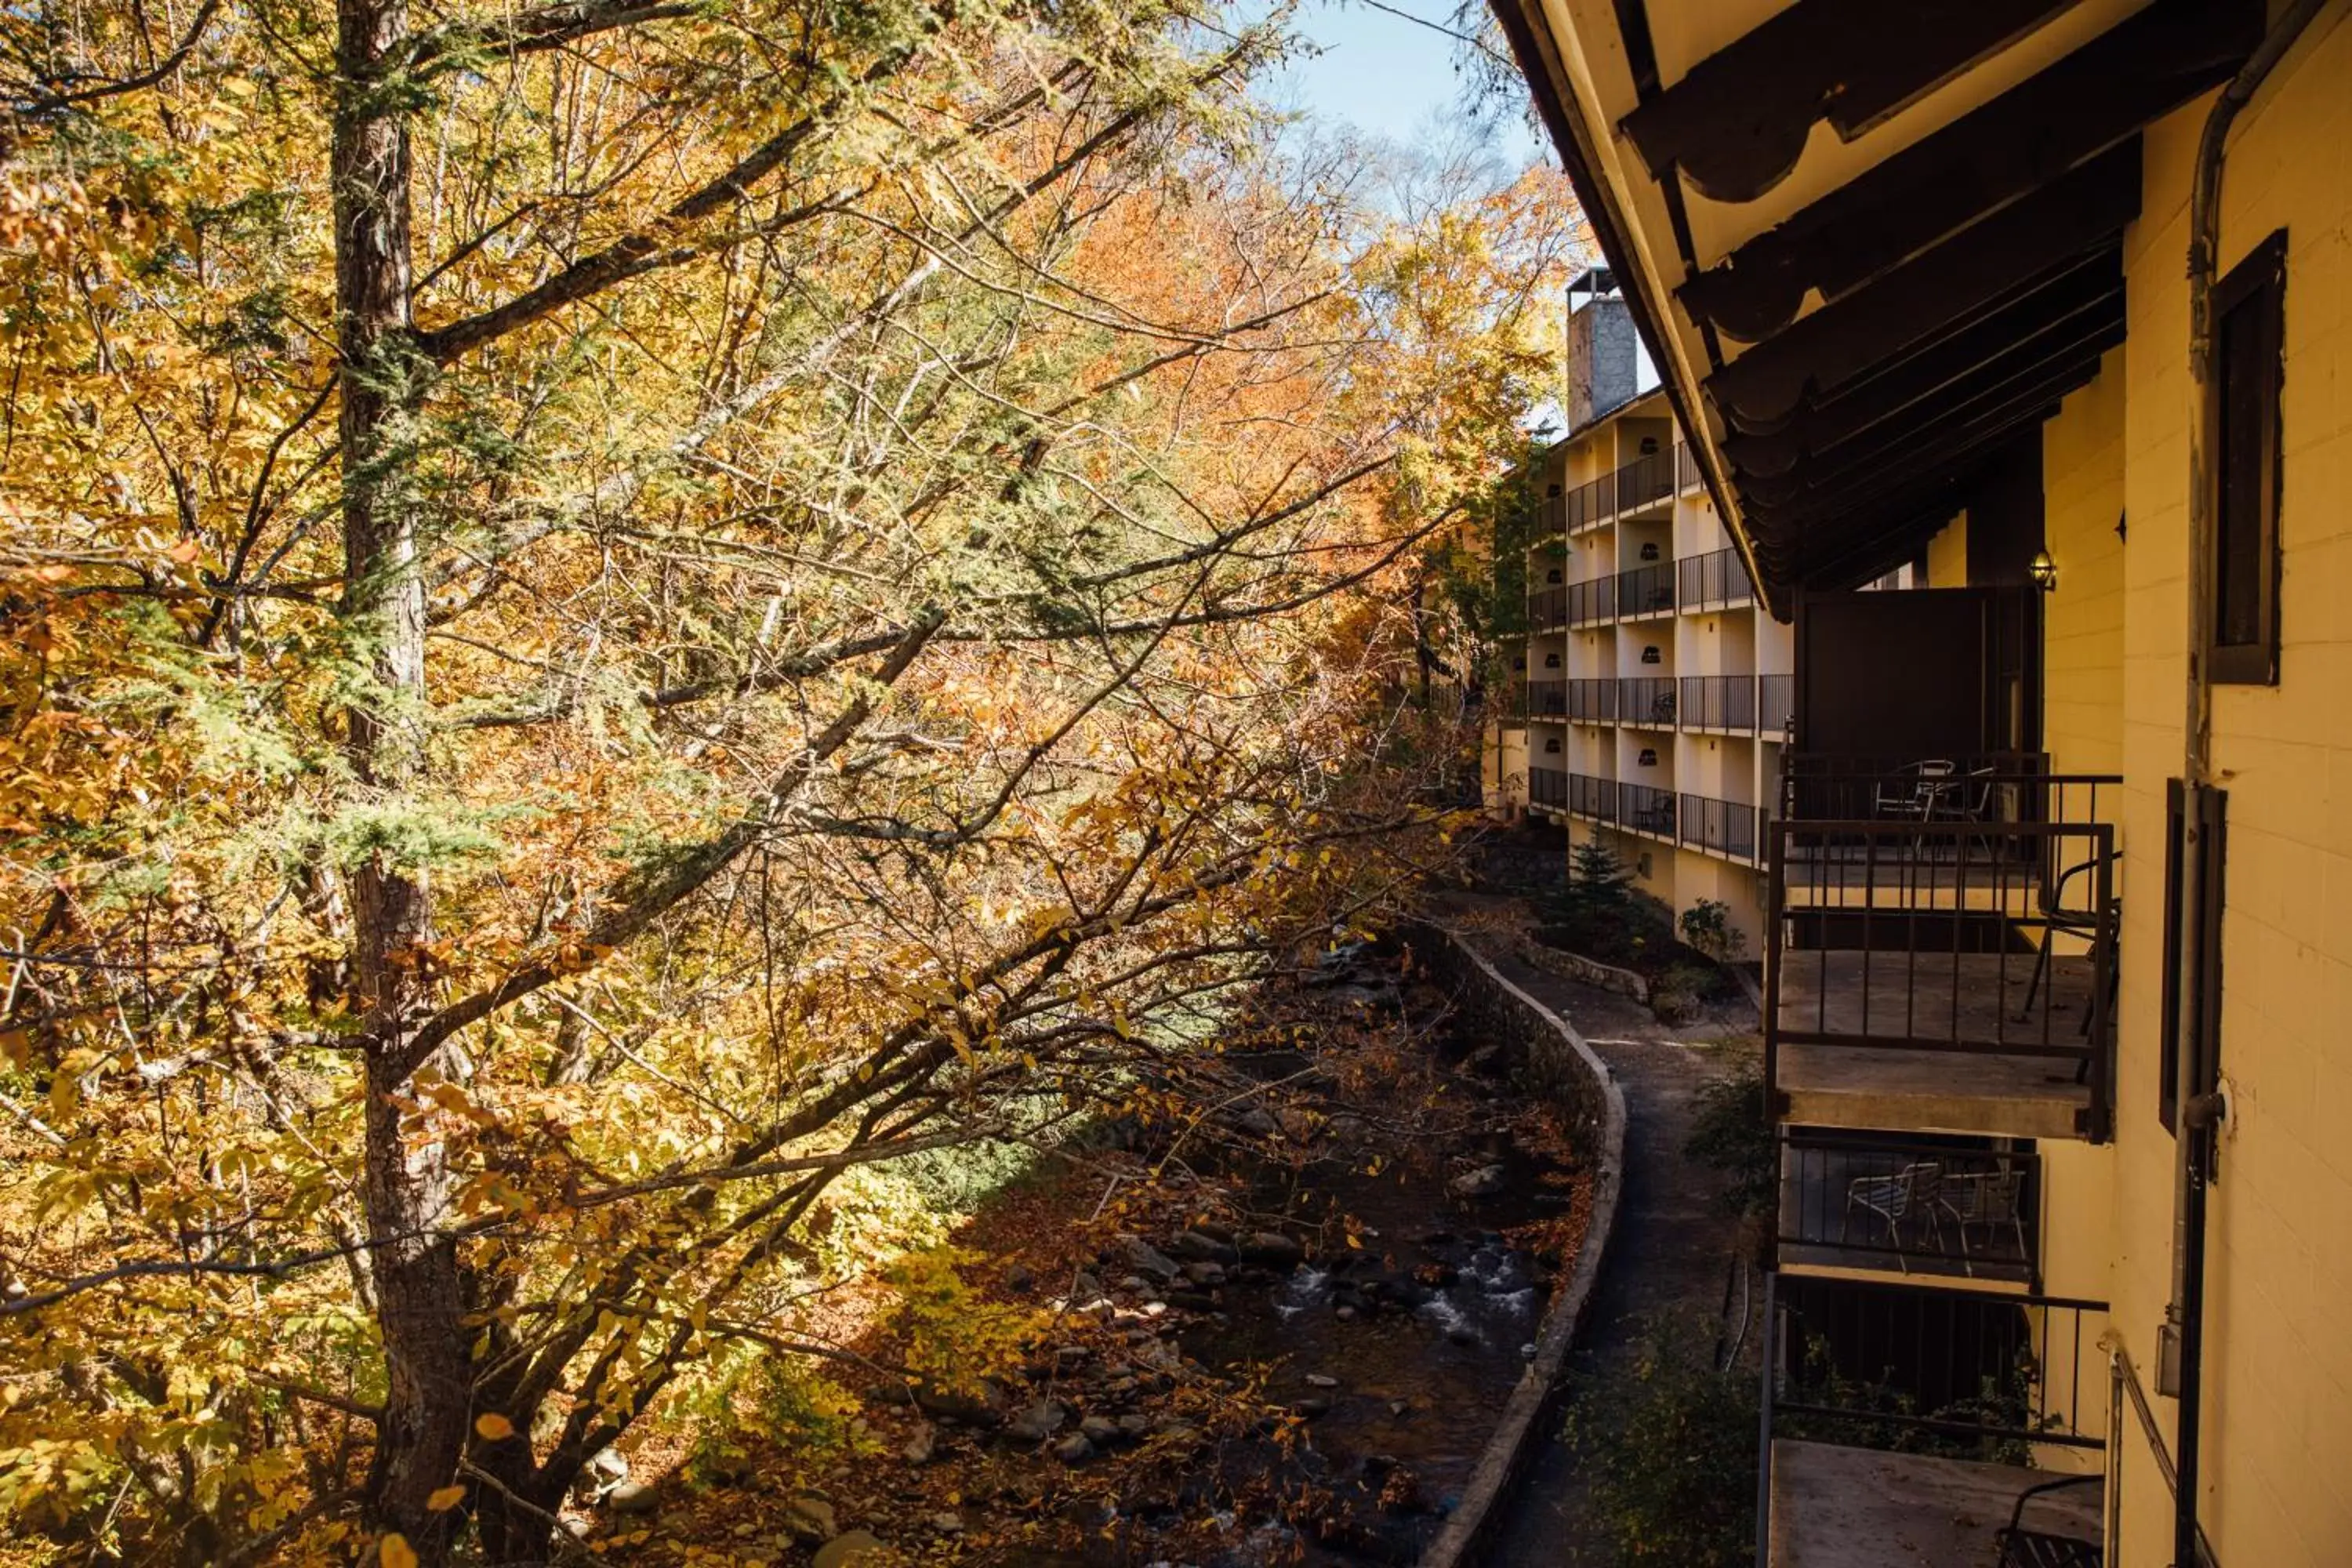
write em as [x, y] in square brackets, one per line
[2061, 919]
[1915, 791]
[1895, 1199]
[1661, 706]
[1987, 1200]
[2023, 1548]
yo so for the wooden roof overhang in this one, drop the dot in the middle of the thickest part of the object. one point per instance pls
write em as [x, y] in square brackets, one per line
[1850, 323]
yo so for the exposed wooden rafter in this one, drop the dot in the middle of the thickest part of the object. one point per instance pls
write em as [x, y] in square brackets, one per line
[2073, 314]
[2013, 145]
[1736, 124]
[1914, 304]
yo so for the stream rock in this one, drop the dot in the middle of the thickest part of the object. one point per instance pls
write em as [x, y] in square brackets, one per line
[1100, 1430]
[811, 1519]
[848, 1551]
[919, 1447]
[1037, 1423]
[1203, 1245]
[1073, 1449]
[1272, 1248]
[1147, 1258]
[1483, 1183]
[631, 1498]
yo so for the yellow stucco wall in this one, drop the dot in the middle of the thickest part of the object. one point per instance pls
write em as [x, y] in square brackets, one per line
[1947, 555]
[2278, 1483]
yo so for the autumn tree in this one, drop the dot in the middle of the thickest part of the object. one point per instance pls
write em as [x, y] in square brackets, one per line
[618, 615]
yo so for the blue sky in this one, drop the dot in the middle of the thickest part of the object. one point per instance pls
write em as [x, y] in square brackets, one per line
[1383, 74]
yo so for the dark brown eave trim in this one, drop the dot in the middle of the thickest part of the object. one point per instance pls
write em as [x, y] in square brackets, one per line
[1546, 79]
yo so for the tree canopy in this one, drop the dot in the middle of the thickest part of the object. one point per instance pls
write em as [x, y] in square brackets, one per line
[616, 617]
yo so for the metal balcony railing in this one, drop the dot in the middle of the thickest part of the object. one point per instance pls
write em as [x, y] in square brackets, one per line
[1646, 591]
[1966, 906]
[1592, 699]
[1591, 601]
[1647, 701]
[1979, 1374]
[1718, 579]
[1550, 519]
[1686, 474]
[1645, 481]
[1548, 787]
[1547, 699]
[1592, 797]
[1923, 1374]
[1776, 702]
[1951, 1206]
[1724, 826]
[1718, 702]
[1646, 808]
[1548, 609]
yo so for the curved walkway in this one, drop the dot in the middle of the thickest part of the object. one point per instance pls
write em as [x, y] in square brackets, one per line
[1673, 1249]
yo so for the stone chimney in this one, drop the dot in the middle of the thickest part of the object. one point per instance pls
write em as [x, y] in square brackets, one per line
[1603, 358]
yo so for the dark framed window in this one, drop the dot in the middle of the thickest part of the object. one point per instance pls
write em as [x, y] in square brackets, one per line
[2249, 368]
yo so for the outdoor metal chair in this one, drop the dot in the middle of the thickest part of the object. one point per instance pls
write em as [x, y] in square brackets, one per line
[1988, 1200]
[2059, 919]
[2023, 1548]
[1918, 790]
[1895, 1199]
[1661, 706]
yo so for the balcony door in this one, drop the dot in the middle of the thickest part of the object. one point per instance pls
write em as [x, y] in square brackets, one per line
[1922, 672]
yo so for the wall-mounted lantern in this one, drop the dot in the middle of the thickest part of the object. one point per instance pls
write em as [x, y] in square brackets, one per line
[1651, 655]
[1649, 551]
[2044, 571]
[1552, 661]
[1649, 757]
[1553, 575]
[1551, 744]
[1649, 446]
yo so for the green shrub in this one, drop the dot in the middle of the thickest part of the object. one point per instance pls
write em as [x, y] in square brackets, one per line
[1730, 1133]
[1707, 929]
[1671, 1454]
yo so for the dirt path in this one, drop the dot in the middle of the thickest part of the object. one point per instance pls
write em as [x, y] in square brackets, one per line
[1671, 1251]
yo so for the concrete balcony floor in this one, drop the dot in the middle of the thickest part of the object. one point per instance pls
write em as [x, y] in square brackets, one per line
[1967, 998]
[1857, 1507]
[1932, 1091]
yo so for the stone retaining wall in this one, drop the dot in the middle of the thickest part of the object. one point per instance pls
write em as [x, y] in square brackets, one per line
[1547, 1056]
[1573, 966]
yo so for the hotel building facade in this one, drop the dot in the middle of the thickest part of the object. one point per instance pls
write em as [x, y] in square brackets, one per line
[2052, 303]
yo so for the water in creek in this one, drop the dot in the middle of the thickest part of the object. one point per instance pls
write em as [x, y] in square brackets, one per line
[1399, 1352]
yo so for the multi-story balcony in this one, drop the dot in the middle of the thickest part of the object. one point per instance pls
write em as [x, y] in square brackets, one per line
[1726, 702]
[1592, 798]
[1632, 490]
[1715, 580]
[1547, 699]
[1548, 609]
[1948, 1207]
[1727, 828]
[1592, 699]
[1932, 1425]
[1776, 703]
[1646, 701]
[1940, 952]
[1646, 808]
[1591, 602]
[1646, 592]
[1646, 484]
[1548, 787]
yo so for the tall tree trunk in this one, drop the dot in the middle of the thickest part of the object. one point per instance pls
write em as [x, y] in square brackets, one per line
[406, 1179]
